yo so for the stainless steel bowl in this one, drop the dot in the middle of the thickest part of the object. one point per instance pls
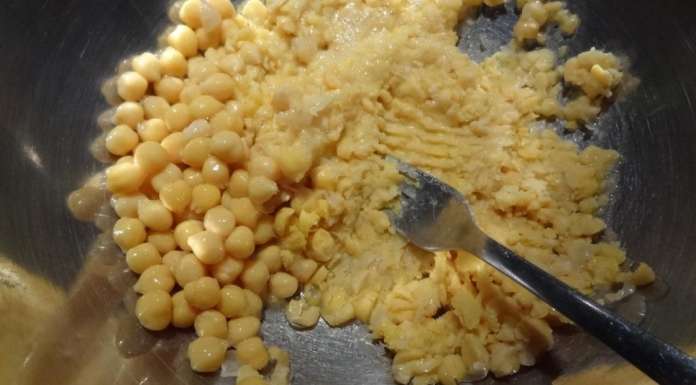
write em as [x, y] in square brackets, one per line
[57, 53]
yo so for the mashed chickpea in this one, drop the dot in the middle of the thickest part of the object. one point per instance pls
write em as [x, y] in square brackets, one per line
[260, 172]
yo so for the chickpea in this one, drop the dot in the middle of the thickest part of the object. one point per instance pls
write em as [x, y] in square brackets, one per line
[169, 88]
[252, 352]
[128, 233]
[233, 302]
[219, 220]
[193, 177]
[142, 256]
[303, 268]
[294, 162]
[126, 205]
[224, 7]
[154, 310]
[207, 247]
[283, 285]
[184, 40]
[261, 189]
[238, 186]
[322, 246]
[176, 196]
[121, 140]
[204, 197]
[221, 86]
[227, 271]
[208, 39]
[156, 277]
[151, 157]
[226, 200]
[215, 172]
[228, 121]
[197, 129]
[244, 211]
[173, 144]
[153, 130]
[287, 258]
[227, 146]
[124, 160]
[282, 220]
[242, 328]
[164, 242]
[240, 243]
[131, 86]
[178, 117]
[200, 68]
[170, 174]
[148, 66]
[264, 231]
[172, 259]
[222, 122]
[124, 178]
[130, 114]
[261, 165]
[183, 314]
[190, 13]
[155, 106]
[189, 269]
[184, 230]
[211, 323]
[270, 256]
[254, 303]
[190, 92]
[154, 215]
[206, 354]
[196, 152]
[205, 106]
[255, 277]
[203, 293]
[173, 63]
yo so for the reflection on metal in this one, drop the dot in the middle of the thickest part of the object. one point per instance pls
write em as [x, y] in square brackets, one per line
[33, 156]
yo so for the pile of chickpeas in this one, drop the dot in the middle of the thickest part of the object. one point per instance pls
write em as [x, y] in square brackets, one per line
[197, 205]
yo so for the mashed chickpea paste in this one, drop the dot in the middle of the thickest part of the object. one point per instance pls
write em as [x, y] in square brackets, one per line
[250, 167]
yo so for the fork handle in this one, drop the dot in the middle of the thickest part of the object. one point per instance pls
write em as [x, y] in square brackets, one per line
[662, 362]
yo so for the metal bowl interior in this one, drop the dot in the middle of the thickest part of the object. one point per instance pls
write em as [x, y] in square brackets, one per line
[56, 55]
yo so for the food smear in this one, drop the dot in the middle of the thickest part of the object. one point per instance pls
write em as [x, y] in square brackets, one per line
[250, 169]
[27, 305]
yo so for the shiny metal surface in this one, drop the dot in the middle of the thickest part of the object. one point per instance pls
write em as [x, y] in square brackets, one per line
[57, 53]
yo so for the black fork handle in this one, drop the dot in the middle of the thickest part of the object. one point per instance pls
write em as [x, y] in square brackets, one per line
[662, 362]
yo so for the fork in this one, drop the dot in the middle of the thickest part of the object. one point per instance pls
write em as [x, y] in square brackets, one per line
[434, 216]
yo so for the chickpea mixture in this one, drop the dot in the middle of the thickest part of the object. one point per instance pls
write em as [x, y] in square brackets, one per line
[250, 169]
